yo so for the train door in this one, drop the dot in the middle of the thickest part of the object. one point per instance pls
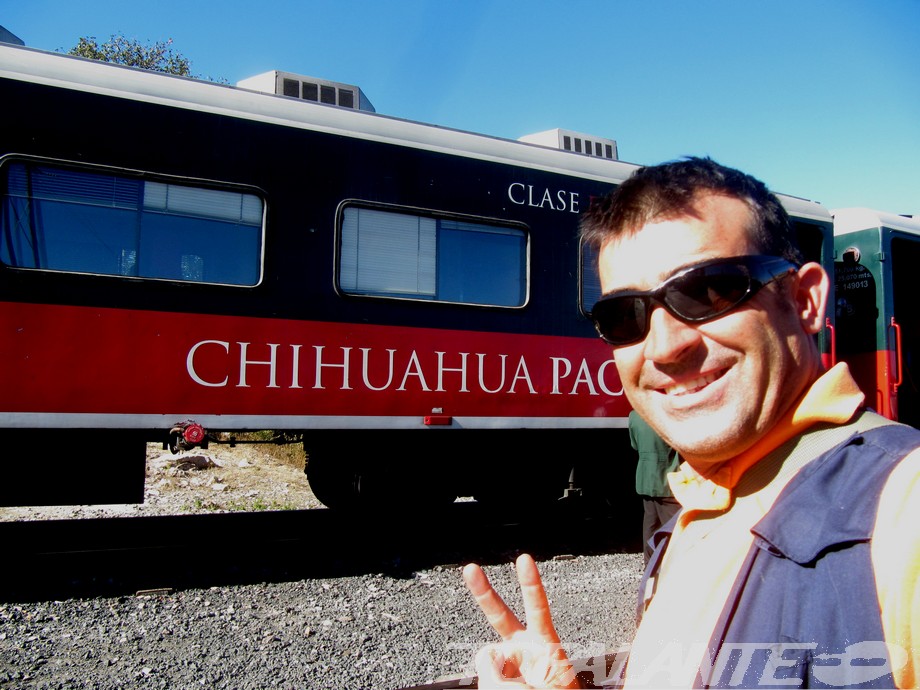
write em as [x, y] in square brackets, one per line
[904, 327]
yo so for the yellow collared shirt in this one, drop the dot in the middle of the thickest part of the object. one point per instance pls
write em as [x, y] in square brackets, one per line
[713, 537]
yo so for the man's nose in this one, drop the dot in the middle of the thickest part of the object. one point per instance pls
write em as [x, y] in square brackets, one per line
[668, 337]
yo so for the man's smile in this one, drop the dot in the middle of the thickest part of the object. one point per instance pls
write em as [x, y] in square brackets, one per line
[691, 385]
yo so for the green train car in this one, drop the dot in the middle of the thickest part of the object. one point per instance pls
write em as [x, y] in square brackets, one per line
[876, 307]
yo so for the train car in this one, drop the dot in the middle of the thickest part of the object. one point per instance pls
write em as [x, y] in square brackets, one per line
[877, 314]
[179, 257]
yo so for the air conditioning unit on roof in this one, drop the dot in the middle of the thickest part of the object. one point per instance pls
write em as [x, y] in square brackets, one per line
[309, 89]
[568, 140]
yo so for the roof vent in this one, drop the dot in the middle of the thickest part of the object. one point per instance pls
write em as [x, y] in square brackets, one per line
[309, 89]
[10, 37]
[574, 141]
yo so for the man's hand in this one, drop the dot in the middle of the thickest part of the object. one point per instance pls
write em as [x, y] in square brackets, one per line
[528, 656]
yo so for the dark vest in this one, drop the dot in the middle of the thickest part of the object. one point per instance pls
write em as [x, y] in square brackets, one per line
[804, 610]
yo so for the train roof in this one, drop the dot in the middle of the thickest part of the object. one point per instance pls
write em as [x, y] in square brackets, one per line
[847, 220]
[82, 74]
[803, 208]
[67, 71]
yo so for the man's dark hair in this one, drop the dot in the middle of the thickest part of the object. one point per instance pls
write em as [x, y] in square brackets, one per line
[670, 190]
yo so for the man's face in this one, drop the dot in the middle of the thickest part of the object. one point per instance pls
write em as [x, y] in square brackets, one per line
[710, 389]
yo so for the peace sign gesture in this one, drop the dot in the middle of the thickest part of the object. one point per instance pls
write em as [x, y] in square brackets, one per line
[529, 656]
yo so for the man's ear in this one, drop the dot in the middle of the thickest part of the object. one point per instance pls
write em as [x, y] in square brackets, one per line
[812, 287]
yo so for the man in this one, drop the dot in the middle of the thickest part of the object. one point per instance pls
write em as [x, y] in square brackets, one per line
[656, 460]
[797, 549]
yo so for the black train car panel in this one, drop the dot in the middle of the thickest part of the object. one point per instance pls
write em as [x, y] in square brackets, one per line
[408, 297]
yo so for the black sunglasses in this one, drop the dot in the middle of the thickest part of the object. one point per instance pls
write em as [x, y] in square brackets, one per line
[696, 294]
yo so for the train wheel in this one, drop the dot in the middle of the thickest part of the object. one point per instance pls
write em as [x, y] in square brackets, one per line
[334, 482]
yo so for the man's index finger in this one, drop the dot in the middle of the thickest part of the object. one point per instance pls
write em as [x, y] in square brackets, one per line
[493, 606]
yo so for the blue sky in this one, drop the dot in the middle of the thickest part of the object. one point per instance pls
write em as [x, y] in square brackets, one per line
[818, 98]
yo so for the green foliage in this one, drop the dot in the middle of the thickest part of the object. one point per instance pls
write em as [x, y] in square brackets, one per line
[158, 57]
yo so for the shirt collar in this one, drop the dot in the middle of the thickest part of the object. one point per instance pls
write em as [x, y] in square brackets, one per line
[834, 397]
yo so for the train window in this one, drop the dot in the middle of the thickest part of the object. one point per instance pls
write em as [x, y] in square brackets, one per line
[811, 239]
[590, 280]
[64, 219]
[391, 254]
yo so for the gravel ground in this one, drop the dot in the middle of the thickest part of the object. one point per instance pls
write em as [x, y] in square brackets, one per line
[373, 631]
